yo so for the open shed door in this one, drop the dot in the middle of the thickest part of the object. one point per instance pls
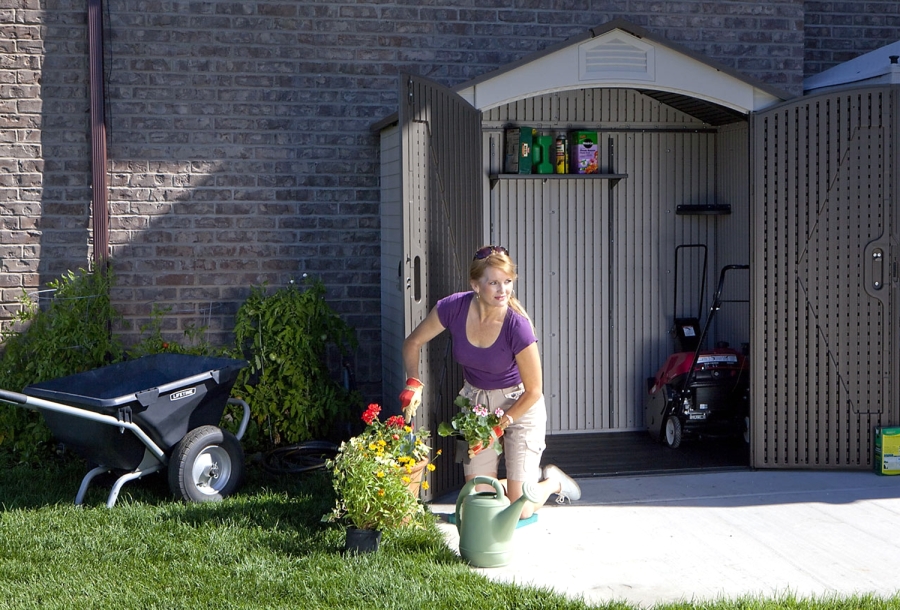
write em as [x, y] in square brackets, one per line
[825, 279]
[442, 226]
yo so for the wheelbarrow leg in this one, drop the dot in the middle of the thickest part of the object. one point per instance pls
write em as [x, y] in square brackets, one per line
[130, 476]
[79, 497]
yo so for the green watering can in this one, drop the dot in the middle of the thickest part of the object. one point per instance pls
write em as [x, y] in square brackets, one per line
[486, 521]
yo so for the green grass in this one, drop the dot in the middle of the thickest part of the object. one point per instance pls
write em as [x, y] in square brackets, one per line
[263, 548]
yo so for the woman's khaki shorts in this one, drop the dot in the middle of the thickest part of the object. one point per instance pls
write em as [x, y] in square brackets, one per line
[523, 442]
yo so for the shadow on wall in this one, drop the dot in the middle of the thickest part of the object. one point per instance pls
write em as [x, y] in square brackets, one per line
[224, 172]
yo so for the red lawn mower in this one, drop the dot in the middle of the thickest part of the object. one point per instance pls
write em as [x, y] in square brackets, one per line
[699, 393]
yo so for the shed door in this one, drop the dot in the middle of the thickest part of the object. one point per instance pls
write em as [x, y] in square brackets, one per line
[442, 227]
[825, 279]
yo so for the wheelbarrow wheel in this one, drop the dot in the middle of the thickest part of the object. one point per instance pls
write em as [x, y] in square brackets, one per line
[206, 465]
[673, 432]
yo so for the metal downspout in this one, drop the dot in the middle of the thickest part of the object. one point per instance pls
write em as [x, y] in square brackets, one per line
[99, 205]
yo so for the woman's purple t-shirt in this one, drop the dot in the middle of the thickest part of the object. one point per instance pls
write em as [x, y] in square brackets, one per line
[487, 368]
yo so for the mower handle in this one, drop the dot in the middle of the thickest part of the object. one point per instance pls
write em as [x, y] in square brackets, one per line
[716, 304]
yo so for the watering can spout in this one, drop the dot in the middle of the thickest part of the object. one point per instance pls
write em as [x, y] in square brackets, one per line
[486, 521]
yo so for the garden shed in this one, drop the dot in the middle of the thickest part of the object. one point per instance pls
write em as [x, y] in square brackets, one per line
[691, 152]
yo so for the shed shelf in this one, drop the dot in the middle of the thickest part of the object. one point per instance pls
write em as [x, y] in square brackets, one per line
[709, 209]
[614, 178]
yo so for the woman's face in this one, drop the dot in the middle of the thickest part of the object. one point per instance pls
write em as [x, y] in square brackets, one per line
[494, 288]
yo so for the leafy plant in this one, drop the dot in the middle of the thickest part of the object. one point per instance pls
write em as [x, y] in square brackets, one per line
[65, 333]
[285, 336]
[153, 342]
[66, 330]
[478, 425]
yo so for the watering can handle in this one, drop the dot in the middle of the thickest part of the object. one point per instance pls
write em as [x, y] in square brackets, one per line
[469, 488]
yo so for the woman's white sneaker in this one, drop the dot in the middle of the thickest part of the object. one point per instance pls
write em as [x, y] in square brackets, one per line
[569, 489]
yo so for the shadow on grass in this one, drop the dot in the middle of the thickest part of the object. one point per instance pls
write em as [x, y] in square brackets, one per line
[284, 511]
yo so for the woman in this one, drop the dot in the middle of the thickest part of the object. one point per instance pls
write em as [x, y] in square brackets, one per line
[494, 342]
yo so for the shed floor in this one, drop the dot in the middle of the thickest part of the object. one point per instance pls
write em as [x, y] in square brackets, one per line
[632, 453]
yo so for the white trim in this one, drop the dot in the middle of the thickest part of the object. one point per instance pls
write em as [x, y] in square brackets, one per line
[872, 68]
[644, 64]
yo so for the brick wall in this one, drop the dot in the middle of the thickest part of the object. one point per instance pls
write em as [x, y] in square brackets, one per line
[44, 144]
[839, 31]
[239, 132]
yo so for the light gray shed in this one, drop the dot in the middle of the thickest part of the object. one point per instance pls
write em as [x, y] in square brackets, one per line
[687, 147]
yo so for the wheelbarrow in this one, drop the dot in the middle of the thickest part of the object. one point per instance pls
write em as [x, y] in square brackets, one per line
[140, 416]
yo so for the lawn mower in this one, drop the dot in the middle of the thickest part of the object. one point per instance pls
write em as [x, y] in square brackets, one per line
[699, 393]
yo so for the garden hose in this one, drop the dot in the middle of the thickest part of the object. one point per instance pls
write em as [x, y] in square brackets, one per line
[300, 458]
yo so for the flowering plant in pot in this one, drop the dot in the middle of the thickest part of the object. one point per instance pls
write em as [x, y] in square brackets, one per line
[476, 424]
[373, 471]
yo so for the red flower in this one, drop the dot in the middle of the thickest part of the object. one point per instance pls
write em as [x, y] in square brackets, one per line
[371, 413]
[395, 421]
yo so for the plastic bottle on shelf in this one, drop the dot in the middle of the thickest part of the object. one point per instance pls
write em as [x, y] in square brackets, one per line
[562, 154]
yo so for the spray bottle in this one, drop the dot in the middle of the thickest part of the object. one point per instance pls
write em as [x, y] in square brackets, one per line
[562, 154]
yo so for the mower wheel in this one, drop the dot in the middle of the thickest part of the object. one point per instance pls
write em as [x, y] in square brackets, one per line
[673, 432]
[206, 465]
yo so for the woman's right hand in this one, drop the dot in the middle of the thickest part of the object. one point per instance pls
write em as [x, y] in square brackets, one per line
[411, 397]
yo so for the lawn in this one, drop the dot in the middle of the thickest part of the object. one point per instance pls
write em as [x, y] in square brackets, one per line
[266, 547]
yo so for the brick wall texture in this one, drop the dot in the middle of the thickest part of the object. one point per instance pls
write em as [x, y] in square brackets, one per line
[239, 132]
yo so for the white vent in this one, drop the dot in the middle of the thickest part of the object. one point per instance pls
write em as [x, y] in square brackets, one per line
[616, 56]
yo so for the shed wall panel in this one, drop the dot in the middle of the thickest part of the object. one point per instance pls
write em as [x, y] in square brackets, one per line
[595, 256]
[392, 286]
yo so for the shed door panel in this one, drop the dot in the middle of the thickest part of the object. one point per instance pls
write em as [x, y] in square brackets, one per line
[442, 227]
[823, 283]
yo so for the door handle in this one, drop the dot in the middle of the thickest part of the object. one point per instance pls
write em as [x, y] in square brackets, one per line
[417, 279]
[876, 268]
[877, 263]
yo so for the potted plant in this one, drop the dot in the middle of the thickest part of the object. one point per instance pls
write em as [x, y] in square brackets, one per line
[477, 425]
[376, 476]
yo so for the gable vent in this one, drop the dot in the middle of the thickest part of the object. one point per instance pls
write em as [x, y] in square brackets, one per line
[617, 58]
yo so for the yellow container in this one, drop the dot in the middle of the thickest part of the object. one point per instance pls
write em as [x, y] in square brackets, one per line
[887, 450]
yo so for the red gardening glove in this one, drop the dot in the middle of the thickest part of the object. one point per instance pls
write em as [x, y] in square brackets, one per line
[498, 431]
[411, 397]
[475, 449]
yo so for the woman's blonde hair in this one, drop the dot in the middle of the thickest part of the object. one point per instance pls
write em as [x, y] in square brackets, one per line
[498, 258]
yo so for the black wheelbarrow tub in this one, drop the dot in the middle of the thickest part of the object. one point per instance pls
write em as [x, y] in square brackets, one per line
[165, 395]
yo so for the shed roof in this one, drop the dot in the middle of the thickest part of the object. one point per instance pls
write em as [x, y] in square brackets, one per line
[876, 67]
[621, 54]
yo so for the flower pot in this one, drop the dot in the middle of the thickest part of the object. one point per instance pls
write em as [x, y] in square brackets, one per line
[415, 477]
[362, 541]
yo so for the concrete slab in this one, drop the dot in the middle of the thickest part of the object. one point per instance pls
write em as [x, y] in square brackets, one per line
[694, 537]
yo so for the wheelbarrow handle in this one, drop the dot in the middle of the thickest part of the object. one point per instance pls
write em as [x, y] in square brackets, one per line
[15, 397]
[245, 419]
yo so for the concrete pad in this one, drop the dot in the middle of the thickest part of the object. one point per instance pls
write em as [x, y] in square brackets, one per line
[694, 537]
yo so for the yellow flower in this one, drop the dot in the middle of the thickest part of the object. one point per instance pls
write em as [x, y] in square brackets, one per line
[406, 480]
[380, 475]
[380, 492]
[425, 485]
[431, 467]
